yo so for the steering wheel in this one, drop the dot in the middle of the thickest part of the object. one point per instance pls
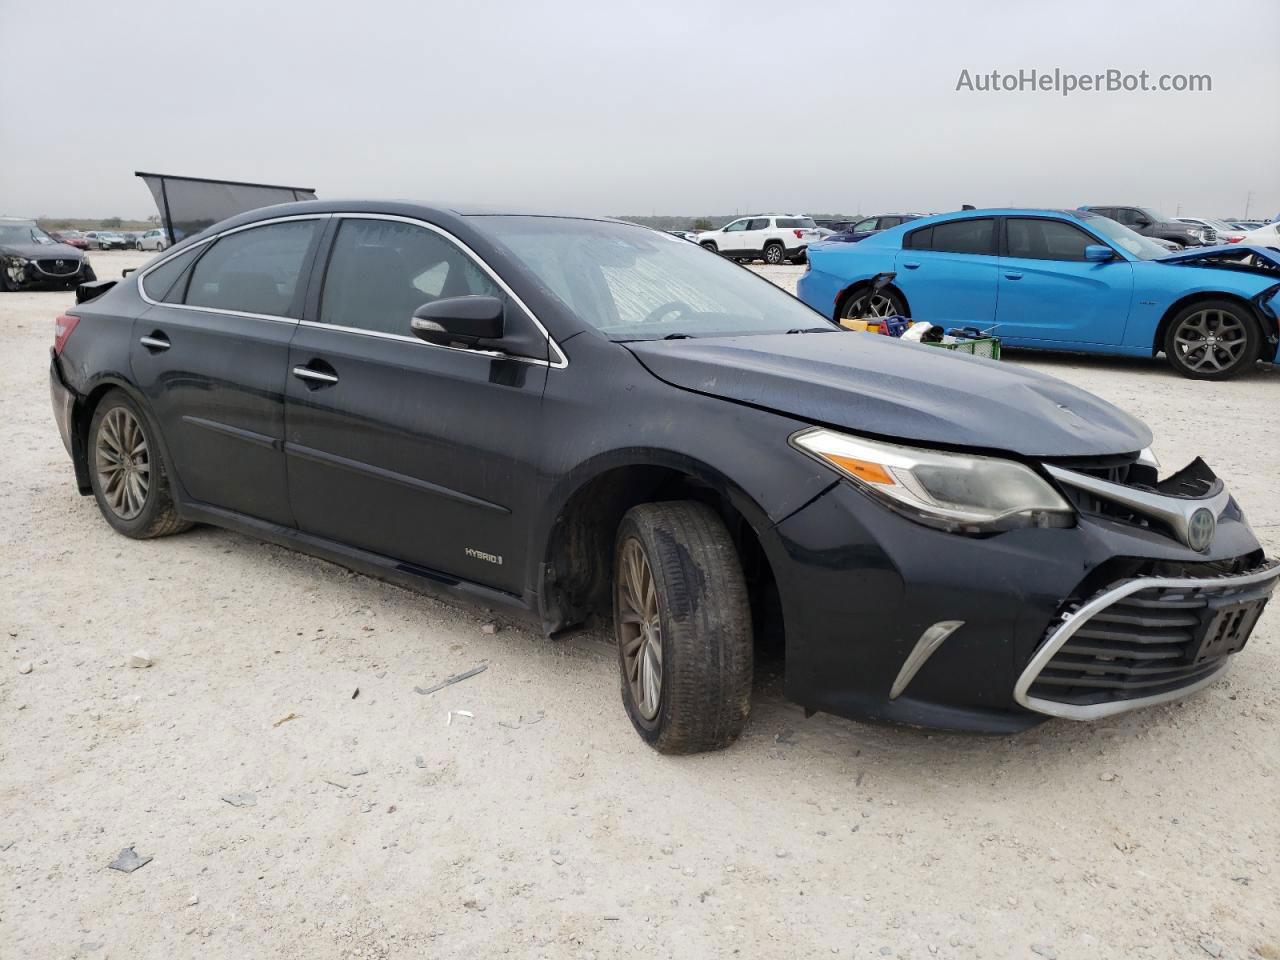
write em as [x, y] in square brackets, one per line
[671, 306]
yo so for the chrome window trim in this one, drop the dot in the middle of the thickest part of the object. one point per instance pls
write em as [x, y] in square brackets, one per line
[362, 332]
[1074, 621]
[560, 361]
[218, 236]
[1174, 512]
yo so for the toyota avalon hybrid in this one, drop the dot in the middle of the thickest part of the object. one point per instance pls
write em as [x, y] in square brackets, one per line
[570, 418]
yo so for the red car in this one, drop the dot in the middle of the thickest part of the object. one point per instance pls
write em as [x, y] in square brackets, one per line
[72, 238]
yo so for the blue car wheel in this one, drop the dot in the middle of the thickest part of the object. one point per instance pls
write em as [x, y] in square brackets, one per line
[1212, 340]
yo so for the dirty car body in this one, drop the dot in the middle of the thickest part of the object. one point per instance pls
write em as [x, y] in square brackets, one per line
[1061, 578]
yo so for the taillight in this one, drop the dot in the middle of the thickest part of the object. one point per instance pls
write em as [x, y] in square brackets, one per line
[63, 327]
[799, 234]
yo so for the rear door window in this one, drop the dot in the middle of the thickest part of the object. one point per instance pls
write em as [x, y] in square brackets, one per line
[381, 271]
[258, 270]
[1045, 240]
[760, 223]
[973, 235]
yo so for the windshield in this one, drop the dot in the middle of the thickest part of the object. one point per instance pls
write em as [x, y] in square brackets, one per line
[632, 283]
[23, 233]
[1124, 238]
[1155, 216]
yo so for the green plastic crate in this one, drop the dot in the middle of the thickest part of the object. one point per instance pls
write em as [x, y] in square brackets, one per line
[979, 346]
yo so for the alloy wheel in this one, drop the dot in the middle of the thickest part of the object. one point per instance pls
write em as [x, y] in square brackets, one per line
[874, 307]
[773, 254]
[640, 629]
[1210, 340]
[123, 462]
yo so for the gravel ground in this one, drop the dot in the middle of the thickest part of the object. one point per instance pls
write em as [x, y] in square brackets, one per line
[541, 825]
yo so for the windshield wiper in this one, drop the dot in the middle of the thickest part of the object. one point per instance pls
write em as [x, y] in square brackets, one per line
[812, 330]
[678, 336]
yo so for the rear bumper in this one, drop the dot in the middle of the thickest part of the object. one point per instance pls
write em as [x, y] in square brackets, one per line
[63, 405]
[889, 620]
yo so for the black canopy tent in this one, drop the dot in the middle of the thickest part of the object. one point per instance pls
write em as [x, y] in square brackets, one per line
[190, 204]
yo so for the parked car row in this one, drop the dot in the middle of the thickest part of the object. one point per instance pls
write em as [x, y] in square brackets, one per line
[154, 239]
[428, 396]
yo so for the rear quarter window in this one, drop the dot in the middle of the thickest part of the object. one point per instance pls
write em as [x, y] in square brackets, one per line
[167, 282]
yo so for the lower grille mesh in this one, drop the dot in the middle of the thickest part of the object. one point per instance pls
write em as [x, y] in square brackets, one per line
[1152, 641]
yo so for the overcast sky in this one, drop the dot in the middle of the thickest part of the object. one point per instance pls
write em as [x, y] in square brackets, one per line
[666, 107]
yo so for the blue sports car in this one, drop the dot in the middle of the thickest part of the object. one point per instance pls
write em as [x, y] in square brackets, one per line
[1061, 280]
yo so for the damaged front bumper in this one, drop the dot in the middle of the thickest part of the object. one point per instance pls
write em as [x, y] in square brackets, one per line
[889, 620]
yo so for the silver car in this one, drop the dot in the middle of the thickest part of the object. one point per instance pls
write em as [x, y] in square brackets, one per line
[152, 240]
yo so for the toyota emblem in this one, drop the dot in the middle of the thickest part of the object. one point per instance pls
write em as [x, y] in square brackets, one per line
[1200, 529]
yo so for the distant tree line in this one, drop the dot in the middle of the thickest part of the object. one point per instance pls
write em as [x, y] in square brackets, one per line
[99, 223]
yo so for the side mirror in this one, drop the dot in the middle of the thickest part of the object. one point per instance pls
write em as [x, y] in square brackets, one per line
[1099, 253]
[459, 321]
[1142, 224]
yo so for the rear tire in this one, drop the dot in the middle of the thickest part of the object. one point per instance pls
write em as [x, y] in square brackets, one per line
[886, 303]
[127, 471]
[683, 625]
[774, 253]
[1212, 340]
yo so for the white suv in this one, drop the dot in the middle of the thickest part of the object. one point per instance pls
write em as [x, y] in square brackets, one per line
[771, 237]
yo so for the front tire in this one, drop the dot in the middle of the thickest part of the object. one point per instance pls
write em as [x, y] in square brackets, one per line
[710, 245]
[683, 625]
[1212, 340]
[127, 471]
[138, 246]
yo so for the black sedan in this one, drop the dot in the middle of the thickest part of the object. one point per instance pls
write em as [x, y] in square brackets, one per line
[570, 418]
[31, 259]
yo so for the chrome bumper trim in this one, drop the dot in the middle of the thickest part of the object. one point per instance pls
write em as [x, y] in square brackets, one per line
[1079, 618]
[929, 641]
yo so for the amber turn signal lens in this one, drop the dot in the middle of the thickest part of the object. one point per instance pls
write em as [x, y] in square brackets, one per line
[864, 470]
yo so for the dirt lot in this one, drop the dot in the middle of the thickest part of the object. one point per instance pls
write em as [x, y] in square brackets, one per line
[541, 826]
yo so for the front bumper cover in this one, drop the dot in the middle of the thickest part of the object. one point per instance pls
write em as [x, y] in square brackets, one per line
[861, 587]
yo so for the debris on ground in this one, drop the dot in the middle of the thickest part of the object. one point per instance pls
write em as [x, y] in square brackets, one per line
[459, 713]
[26, 667]
[456, 678]
[128, 861]
[193, 900]
[359, 771]
[1210, 946]
[140, 660]
[241, 799]
[489, 628]
[292, 716]
[334, 783]
[356, 693]
[420, 762]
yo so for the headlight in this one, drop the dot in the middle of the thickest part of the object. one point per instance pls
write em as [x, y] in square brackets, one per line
[17, 262]
[956, 492]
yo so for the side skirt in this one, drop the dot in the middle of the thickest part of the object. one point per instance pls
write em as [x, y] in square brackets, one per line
[408, 575]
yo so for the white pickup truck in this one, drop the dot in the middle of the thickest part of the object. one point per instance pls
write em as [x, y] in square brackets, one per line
[771, 237]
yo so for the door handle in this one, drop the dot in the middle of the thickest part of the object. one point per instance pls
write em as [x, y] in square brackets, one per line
[911, 264]
[1013, 276]
[155, 341]
[316, 377]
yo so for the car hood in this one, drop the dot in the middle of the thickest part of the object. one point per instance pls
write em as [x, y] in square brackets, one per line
[41, 251]
[1269, 255]
[900, 391]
